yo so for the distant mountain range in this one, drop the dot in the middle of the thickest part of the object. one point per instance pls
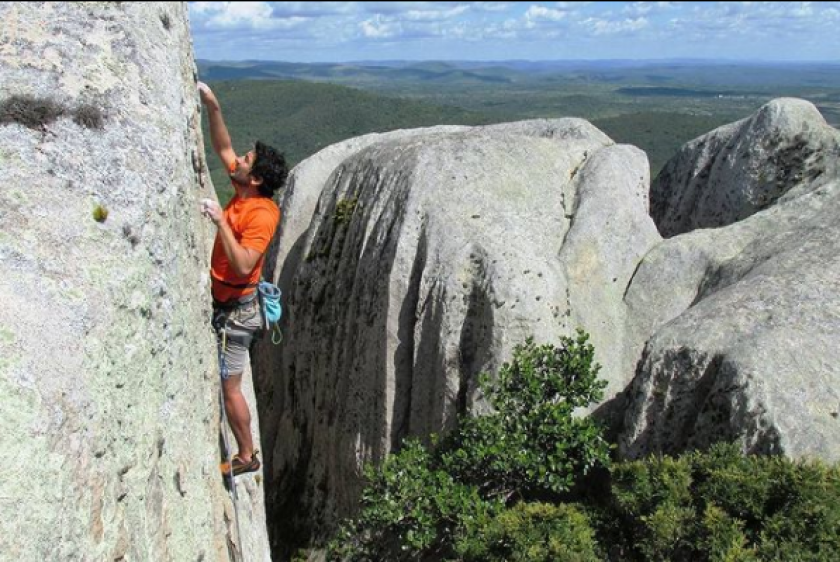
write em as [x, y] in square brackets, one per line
[682, 71]
[433, 71]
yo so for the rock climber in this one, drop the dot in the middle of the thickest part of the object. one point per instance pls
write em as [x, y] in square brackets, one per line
[245, 228]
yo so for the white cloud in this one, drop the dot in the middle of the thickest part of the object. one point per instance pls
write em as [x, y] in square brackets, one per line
[313, 9]
[784, 25]
[540, 13]
[611, 27]
[203, 7]
[430, 21]
[500, 32]
[394, 8]
[380, 28]
[802, 10]
[831, 13]
[648, 9]
[459, 31]
[491, 6]
[638, 8]
[242, 15]
[435, 15]
[233, 14]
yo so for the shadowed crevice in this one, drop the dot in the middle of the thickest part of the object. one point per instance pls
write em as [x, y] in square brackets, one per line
[404, 360]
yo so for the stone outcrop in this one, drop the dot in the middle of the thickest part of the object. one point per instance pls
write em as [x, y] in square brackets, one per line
[429, 255]
[782, 151]
[415, 260]
[745, 320]
[108, 375]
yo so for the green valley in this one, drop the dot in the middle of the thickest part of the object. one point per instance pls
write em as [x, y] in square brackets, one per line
[658, 106]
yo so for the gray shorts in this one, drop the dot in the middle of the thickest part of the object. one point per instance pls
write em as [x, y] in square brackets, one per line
[235, 329]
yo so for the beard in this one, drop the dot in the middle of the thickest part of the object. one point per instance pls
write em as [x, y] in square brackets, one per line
[241, 182]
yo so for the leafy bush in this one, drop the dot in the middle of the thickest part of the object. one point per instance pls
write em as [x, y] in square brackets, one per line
[532, 532]
[423, 503]
[409, 507]
[492, 489]
[722, 505]
[533, 446]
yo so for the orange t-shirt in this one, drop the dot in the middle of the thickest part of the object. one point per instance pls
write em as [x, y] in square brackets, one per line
[253, 222]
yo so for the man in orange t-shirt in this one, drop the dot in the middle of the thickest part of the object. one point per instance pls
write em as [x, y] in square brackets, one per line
[245, 228]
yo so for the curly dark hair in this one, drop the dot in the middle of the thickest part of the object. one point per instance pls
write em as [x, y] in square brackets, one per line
[270, 166]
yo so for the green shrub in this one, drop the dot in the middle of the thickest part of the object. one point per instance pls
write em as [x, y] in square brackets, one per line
[409, 506]
[532, 532]
[533, 446]
[422, 503]
[640, 487]
[725, 540]
[802, 515]
[492, 489]
[722, 505]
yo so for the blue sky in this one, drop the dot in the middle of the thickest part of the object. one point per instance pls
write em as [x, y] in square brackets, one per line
[348, 31]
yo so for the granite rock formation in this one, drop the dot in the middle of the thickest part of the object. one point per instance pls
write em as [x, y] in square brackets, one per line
[782, 151]
[108, 374]
[428, 256]
[744, 320]
[414, 260]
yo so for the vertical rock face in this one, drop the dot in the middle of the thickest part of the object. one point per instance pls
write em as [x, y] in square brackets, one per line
[108, 375]
[745, 320]
[430, 254]
[782, 151]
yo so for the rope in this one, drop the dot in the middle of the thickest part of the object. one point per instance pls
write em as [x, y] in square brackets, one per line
[276, 338]
[225, 375]
[276, 335]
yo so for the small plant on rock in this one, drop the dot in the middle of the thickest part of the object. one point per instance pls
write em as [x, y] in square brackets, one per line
[344, 210]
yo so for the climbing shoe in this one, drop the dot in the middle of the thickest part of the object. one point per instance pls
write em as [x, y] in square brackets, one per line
[240, 467]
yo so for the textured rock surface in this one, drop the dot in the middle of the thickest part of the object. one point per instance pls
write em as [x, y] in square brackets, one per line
[303, 191]
[429, 256]
[746, 324]
[108, 377]
[782, 151]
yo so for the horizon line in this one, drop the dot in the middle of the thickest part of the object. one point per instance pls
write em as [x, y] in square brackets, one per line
[521, 60]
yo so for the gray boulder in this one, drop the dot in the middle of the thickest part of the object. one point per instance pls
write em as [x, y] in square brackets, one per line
[745, 324]
[782, 151]
[413, 261]
[108, 375]
[429, 256]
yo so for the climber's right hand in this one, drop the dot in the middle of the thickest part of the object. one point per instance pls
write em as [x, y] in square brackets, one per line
[212, 210]
[208, 98]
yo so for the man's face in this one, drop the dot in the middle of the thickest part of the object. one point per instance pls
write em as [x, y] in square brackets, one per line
[244, 164]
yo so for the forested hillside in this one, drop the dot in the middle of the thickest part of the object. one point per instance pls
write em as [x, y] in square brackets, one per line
[657, 108]
[301, 118]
